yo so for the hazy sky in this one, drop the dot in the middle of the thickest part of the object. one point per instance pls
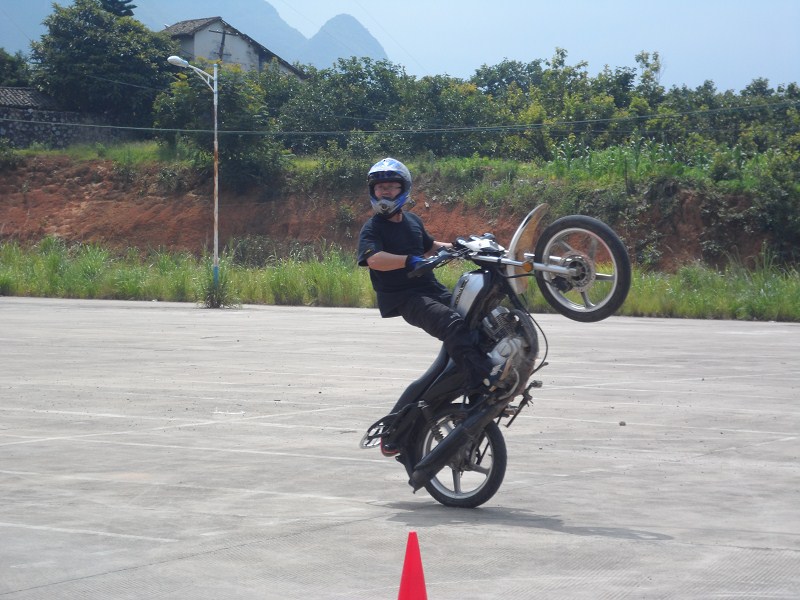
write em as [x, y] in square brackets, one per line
[730, 42]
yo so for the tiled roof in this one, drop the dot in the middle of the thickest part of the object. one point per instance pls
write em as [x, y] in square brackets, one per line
[189, 27]
[17, 97]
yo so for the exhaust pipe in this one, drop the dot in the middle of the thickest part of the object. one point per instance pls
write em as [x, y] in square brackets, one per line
[468, 432]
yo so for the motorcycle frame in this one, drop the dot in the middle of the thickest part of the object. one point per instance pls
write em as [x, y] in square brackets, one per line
[444, 385]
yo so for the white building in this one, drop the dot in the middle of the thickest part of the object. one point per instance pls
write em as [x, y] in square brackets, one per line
[215, 40]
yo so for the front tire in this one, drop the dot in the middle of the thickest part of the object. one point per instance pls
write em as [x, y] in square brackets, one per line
[600, 270]
[475, 473]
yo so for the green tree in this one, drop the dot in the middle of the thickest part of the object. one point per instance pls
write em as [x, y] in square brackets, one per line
[650, 87]
[499, 79]
[93, 61]
[617, 83]
[120, 8]
[459, 120]
[278, 87]
[248, 152]
[533, 140]
[14, 70]
[356, 95]
[758, 88]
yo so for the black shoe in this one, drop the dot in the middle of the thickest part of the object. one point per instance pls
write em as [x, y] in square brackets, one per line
[497, 375]
[389, 449]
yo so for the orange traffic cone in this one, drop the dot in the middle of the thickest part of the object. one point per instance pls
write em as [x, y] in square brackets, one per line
[412, 583]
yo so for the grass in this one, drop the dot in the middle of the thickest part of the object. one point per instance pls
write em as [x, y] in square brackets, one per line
[51, 268]
[766, 293]
[330, 277]
[128, 153]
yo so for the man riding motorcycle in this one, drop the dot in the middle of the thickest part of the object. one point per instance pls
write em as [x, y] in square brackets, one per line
[391, 243]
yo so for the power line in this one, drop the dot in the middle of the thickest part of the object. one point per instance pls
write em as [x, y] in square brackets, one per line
[15, 24]
[117, 82]
[560, 126]
[391, 37]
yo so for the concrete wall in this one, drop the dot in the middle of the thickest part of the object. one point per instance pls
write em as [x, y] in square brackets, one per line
[237, 50]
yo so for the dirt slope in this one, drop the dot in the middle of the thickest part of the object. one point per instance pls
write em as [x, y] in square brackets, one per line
[98, 202]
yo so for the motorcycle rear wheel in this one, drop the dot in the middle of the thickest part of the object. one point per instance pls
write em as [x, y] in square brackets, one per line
[475, 473]
[601, 268]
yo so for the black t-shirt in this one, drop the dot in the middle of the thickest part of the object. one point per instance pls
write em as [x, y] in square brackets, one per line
[406, 237]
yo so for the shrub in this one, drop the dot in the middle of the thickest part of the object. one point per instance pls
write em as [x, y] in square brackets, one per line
[9, 157]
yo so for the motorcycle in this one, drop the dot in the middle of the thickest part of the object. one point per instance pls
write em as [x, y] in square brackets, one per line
[451, 443]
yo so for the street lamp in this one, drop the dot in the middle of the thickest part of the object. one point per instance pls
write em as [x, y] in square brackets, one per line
[212, 83]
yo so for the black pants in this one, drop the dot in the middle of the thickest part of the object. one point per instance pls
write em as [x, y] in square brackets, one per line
[434, 316]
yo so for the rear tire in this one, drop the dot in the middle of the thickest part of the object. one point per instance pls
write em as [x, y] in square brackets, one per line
[474, 475]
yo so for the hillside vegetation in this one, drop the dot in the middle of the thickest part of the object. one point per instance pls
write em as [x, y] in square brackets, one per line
[134, 196]
[718, 171]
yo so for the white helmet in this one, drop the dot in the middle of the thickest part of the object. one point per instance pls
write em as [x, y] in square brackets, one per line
[389, 169]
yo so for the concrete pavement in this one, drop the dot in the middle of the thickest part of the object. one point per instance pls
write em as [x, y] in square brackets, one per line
[159, 450]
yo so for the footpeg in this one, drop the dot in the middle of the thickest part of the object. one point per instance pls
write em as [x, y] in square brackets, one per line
[376, 432]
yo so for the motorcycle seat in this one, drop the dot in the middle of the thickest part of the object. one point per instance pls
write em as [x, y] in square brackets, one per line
[415, 389]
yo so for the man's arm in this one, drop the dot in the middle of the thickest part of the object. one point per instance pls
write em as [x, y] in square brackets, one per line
[386, 261]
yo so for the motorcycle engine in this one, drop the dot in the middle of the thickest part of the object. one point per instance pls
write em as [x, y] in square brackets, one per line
[510, 339]
[500, 323]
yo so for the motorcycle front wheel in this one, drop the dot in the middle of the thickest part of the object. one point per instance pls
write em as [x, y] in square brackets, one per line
[599, 274]
[475, 473]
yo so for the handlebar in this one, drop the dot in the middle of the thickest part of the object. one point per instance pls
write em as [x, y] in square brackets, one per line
[482, 249]
[429, 264]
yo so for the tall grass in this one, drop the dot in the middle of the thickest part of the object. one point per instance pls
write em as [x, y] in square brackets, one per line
[330, 277]
[766, 293]
[51, 268]
[130, 153]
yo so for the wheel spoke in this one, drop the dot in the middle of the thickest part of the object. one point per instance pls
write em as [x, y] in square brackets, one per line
[593, 249]
[456, 481]
[586, 301]
[479, 469]
[563, 243]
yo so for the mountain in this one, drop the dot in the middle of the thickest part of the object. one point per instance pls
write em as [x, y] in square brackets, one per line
[341, 37]
[255, 18]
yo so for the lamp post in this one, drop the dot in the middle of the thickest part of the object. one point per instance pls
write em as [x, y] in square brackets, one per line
[212, 83]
